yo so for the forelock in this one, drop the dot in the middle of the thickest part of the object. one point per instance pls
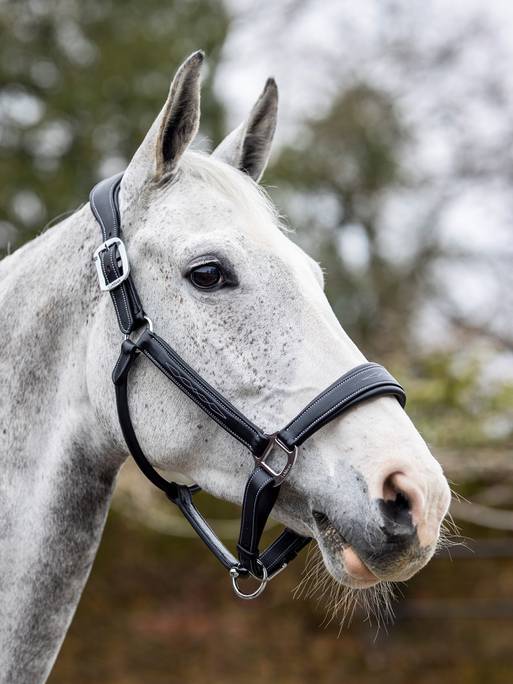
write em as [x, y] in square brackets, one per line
[235, 185]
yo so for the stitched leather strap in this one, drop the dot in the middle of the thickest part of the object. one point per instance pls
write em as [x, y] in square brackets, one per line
[201, 392]
[359, 384]
[260, 496]
[283, 549]
[105, 207]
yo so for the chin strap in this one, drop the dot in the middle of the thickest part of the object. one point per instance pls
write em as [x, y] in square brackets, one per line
[263, 486]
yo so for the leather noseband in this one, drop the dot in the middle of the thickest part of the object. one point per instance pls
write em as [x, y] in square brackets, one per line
[263, 486]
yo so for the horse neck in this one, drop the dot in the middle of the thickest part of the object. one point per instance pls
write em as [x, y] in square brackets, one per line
[56, 478]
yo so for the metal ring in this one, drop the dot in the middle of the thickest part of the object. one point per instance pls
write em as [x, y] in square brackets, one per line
[149, 325]
[234, 574]
[149, 322]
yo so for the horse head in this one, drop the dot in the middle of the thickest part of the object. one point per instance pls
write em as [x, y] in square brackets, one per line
[245, 306]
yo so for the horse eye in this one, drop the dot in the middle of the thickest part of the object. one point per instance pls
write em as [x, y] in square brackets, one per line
[207, 277]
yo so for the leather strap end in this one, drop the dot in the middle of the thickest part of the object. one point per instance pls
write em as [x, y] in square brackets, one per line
[124, 363]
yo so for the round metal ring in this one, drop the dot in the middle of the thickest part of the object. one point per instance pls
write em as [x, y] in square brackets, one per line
[234, 574]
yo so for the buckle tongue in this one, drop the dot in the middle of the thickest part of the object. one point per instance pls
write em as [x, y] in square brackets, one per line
[125, 266]
[275, 441]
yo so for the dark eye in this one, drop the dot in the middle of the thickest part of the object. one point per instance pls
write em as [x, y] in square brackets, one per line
[207, 276]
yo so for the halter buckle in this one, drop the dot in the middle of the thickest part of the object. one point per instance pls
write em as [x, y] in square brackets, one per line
[125, 265]
[275, 441]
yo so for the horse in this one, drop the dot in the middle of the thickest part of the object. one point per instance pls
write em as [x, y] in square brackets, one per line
[245, 306]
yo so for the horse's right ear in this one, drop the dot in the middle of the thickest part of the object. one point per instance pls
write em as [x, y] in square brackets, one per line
[173, 130]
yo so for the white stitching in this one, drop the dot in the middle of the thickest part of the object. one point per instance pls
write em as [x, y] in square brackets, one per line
[122, 289]
[202, 396]
[332, 408]
[254, 510]
[227, 409]
[114, 215]
[167, 374]
[120, 322]
[116, 366]
[284, 552]
[327, 392]
[125, 329]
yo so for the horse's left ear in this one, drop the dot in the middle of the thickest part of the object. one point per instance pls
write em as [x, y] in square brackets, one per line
[248, 147]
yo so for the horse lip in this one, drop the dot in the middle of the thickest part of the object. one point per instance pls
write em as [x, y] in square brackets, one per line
[333, 538]
[328, 531]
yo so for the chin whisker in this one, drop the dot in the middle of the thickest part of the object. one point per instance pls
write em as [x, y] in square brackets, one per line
[340, 602]
[450, 536]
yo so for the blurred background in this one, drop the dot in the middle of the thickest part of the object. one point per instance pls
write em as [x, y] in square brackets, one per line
[394, 164]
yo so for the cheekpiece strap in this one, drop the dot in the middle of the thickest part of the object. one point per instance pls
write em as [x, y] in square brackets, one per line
[111, 258]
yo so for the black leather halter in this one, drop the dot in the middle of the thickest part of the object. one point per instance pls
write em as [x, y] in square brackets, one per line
[263, 486]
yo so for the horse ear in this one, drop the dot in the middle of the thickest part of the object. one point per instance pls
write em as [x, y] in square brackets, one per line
[179, 120]
[248, 147]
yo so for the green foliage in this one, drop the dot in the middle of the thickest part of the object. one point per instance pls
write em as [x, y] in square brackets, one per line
[352, 150]
[80, 83]
[453, 407]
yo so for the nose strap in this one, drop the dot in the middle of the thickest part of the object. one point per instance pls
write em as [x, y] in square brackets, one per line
[359, 384]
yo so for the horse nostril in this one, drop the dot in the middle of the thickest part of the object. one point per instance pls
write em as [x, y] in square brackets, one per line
[402, 504]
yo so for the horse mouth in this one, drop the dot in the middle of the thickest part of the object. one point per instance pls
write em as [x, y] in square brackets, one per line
[328, 532]
[345, 564]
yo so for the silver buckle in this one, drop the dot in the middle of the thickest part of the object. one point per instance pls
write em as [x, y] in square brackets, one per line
[274, 441]
[104, 285]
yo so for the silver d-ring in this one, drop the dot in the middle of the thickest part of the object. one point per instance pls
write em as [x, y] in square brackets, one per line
[234, 574]
[149, 322]
[149, 325]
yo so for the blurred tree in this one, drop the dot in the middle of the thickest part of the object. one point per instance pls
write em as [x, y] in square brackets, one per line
[407, 159]
[347, 162]
[80, 83]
